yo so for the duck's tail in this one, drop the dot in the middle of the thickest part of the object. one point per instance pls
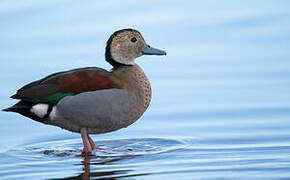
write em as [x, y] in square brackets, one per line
[19, 107]
[24, 108]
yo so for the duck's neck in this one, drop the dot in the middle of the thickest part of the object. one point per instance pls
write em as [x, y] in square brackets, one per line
[136, 83]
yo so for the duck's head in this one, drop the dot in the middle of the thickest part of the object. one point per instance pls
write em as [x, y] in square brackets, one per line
[127, 44]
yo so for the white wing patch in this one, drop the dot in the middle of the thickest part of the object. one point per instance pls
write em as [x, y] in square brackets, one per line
[39, 110]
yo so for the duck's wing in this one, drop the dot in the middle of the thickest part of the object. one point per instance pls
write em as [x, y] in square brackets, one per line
[53, 88]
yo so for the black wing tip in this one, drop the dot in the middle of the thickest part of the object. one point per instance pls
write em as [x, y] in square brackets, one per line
[10, 108]
[14, 96]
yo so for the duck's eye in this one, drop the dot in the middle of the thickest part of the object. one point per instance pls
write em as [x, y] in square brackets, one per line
[133, 39]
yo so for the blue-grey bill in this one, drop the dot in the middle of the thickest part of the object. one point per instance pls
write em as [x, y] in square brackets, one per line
[148, 50]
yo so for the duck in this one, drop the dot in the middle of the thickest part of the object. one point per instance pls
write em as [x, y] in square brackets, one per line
[92, 100]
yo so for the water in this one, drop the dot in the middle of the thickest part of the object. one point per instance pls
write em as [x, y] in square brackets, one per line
[220, 105]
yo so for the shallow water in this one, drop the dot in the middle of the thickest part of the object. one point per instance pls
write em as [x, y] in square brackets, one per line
[220, 106]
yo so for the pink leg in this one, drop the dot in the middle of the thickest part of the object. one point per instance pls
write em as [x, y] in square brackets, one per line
[93, 145]
[87, 146]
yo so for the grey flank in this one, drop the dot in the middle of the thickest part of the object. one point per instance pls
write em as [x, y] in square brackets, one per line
[100, 111]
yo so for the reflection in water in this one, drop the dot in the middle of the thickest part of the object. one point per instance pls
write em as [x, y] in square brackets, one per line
[115, 151]
[125, 158]
[119, 158]
[88, 163]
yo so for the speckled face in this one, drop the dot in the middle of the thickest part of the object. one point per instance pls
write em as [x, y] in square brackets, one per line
[126, 46]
